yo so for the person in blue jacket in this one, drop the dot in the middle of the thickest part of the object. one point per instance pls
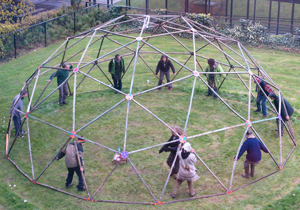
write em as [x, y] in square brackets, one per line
[253, 146]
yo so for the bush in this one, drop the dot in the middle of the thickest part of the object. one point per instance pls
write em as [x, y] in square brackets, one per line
[249, 33]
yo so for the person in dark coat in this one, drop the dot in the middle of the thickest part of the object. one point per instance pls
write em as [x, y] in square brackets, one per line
[164, 66]
[253, 146]
[261, 97]
[115, 68]
[172, 148]
[16, 116]
[71, 161]
[62, 75]
[284, 115]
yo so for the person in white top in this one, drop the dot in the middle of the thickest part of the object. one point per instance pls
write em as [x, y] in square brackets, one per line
[187, 169]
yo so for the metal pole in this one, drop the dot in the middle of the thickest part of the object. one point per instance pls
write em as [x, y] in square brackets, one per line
[278, 16]
[212, 173]
[226, 10]
[45, 28]
[136, 171]
[270, 15]
[53, 159]
[107, 3]
[254, 11]
[186, 6]
[205, 5]
[29, 147]
[236, 158]
[209, 6]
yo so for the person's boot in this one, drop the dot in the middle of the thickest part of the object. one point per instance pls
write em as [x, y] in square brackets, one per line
[252, 170]
[191, 189]
[246, 174]
[216, 90]
[209, 92]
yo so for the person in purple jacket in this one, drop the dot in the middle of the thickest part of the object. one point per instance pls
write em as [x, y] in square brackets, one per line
[253, 146]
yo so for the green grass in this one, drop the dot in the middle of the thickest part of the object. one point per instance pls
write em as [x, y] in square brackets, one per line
[217, 150]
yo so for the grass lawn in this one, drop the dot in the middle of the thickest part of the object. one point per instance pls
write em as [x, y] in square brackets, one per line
[217, 150]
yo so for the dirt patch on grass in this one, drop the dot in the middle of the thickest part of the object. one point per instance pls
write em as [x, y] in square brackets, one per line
[9, 179]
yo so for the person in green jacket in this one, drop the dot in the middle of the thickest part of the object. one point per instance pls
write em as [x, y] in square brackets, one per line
[62, 75]
[213, 79]
[115, 68]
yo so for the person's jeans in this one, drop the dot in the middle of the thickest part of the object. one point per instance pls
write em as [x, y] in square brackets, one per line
[18, 123]
[161, 77]
[263, 99]
[63, 93]
[71, 174]
[117, 82]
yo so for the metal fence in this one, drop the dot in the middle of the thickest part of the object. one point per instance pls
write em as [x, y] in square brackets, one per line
[279, 16]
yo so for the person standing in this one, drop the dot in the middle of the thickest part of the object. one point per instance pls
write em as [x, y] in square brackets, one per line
[172, 148]
[187, 169]
[16, 116]
[253, 146]
[71, 161]
[164, 66]
[62, 75]
[267, 89]
[213, 79]
[285, 114]
[115, 68]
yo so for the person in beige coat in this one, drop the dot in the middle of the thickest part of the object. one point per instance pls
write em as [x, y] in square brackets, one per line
[187, 169]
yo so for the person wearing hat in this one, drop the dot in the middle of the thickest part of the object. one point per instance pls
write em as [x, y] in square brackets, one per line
[172, 148]
[213, 80]
[261, 97]
[62, 75]
[253, 146]
[71, 161]
[115, 68]
[284, 115]
[16, 116]
[187, 169]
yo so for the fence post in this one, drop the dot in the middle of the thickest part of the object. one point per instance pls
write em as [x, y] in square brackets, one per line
[107, 4]
[45, 29]
[226, 10]
[278, 16]
[270, 13]
[147, 6]
[254, 11]
[15, 45]
[166, 3]
[292, 17]
[231, 12]
[248, 7]
[74, 22]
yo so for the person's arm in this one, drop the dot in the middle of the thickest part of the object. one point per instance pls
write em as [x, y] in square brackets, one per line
[123, 65]
[61, 154]
[110, 66]
[263, 148]
[172, 67]
[243, 149]
[157, 68]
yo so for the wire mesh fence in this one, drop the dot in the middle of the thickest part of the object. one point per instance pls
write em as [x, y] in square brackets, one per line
[278, 16]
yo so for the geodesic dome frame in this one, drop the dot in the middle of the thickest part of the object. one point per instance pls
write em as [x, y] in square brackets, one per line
[158, 25]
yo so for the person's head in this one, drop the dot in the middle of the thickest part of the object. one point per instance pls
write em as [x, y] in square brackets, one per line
[211, 61]
[178, 130]
[249, 134]
[23, 93]
[164, 58]
[187, 147]
[117, 57]
[272, 96]
[81, 140]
